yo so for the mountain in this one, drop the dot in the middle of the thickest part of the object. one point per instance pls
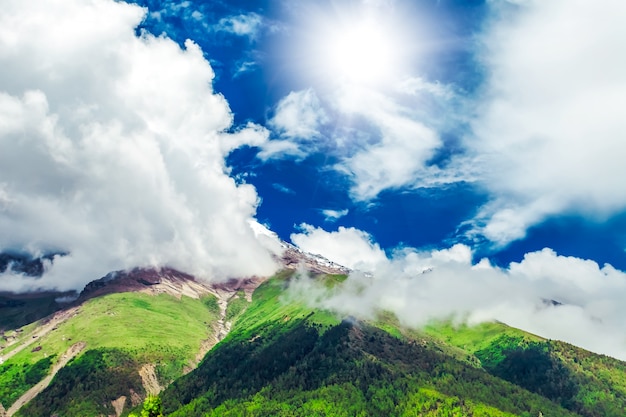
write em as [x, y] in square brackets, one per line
[287, 359]
[26, 264]
[17, 310]
[135, 330]
[248, 347]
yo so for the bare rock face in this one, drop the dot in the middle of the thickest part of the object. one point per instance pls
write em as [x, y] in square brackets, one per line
[294, 258]
[177, 283]
[165, 281]
[151, 280]
[124, 281]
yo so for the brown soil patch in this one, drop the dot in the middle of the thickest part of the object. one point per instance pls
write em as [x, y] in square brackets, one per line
[149, 379]
[118, 405]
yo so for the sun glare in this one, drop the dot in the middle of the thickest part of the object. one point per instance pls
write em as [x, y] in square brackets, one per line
[355, 47]
[362, 52]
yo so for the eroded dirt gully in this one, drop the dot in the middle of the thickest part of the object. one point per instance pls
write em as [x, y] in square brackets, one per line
[177, 284]
[74, 350]
[221, 327]
[149, 379]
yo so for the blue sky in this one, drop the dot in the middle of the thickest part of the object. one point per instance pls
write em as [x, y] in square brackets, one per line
[263, 51]
[468, 155]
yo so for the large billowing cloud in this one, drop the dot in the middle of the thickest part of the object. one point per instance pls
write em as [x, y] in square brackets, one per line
[554, 296]
[112, 149]
[550, 128]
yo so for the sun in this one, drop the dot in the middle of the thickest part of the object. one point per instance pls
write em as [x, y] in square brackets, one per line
[362, 52]
[355, 48]
[354, 44]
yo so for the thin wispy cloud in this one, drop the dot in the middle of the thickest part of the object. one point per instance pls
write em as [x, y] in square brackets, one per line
[399, 151]
[283, 189]
[247, 25]
[299, 115]
[244, 67]
[334, 215]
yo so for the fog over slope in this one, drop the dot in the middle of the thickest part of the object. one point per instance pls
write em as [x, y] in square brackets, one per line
[554, 296]
[113, 149]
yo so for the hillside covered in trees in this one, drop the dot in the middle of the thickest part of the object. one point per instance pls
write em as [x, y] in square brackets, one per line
[284, 358]
[288, 360]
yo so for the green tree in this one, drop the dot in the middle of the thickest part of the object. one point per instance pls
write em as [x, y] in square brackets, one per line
[151, 408]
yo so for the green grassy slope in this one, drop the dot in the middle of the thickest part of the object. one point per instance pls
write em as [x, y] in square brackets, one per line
[122, 332]
[283, 358]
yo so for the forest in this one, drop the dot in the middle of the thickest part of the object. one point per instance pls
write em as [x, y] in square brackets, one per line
[285, 358]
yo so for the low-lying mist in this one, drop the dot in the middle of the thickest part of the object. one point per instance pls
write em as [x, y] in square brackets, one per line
[553, 296]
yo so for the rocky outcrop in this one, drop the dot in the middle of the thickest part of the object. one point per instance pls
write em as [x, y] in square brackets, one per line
[294, 258]
[143, 279]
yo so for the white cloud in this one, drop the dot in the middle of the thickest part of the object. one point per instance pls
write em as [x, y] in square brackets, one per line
[417, 85]
[244, 67]
[299, 115]
[251, 135]
[550, 128]
[347, 246]
[283, 189]
[382, 144]
[419, 286]
[113, 149]
[241, 25]
[280, 149]
[297, 119]
[398, 156]
[268, 239]
[334, 215]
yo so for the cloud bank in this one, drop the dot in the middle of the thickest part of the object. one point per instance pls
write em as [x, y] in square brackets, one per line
[419, 286]
[113, 149]
[550, 123]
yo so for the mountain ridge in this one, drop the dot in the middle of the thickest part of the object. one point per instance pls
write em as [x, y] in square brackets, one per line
[147, 331]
